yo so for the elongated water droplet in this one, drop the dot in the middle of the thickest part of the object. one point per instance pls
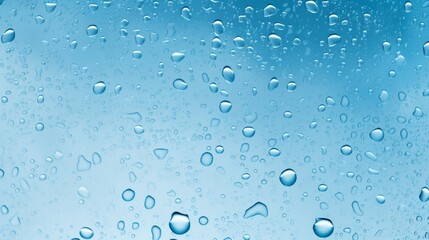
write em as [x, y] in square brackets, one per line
[228, 74]
[179, 223]
[86, 233]
[180, 84]
[156, 233]
[206, 159]
[149, 202]
[288, 177]
[424, 194]
[256, 209]
[177, 57]
[356, 208]
[323, 227]
[218, 27]
[273, 84]
[8, 36]
[312, 6]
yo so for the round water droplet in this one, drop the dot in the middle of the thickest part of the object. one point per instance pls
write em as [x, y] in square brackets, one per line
[39, 127]
[99, 87]
[179, 223]
[228, 74]
[377, 135]
[180, 84]
[275, 40]
[248, 132]
[312, 6]
[424, 194]
[288, 177]
[177, 57]
[346, 150]
[8, 36]
[380, 199]
[128, 195]
[203, 220]
[334, 39]
[225, 106]
[323, 227]
[138, 129]
[86, 233]
[206, 159]
[91, 30]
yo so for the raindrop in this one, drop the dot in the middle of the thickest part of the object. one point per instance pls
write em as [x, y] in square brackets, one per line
[128, 195]
[218, 27]
[323, 227]
[160, 153]
[275, 40]
[346, 150]
[334, 39]
[99, 87]
[424, 194]
[377, 135]
[179, 223]
[248, 132]
[149, 202]
[273, 84]
[177, 57]
[288, 177]
[86, 233]
[228, 74]
[225, 106]
[186, 13]
[256, 209]
[312, 6]
[91, 30]
[180, 84]
[8, 36]
[206, 159]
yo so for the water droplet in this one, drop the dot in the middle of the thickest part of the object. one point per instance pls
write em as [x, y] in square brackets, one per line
[50, 6]
[206, 159]
[270, 10]
[218, 27]
[426, 49]
[322, 187]
[137, 54]
[86, 233]
[418, 112]
[288, 177]
[149, 202]
[228, 74]
[179, 223]
[256, 209]
[83, 192]
[203, 220]
[346, 150]
[386, 46]
[186, 13]
[156, 233]
[275, 40]
[424, 194]
[138, 129]
[377, 135]
[91, 30]
[177, 57]
[128, 195]
[160, 153]
[139, 39]
[238, 42]
[356, 208]
[273, 84]
[39, 127]
[334, 39]
[384, 96]
[180, 84]
[4, 209]
[323, 227]
[312, 6]
[274, 152]
[8, 36]
[225, 106]
[99, 87]
[408, 6]
[291, 86]
[380, 199]
[121, 225]
[248, 132]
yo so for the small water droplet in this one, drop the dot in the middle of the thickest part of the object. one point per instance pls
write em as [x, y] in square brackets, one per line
[138, 129]
[156, 233]
[50, 6]
[177, 57]
[8, 36]
[149, 202]
[426, 49]
[377, 135]
[273, 84]
[256, 209]
[203, 220]
[380, 199]
[186, 13]
[225, 106]
[346, 150]
[206, 159]
[275, 40]
[91, 30]
[179, 223]
[334, 39]
[160, 153]
[180, 84]
[424, 194]
[312, 6]
[86, 233]
[39, 127]
[248, 132]
[288, 177]
[270, 10]
[128, 195]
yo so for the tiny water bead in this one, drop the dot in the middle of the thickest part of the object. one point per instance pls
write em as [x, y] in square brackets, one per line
[225, 106]
[138, 129]
[99, 87]
[248, 132]
[179, 223]
[377, 135]
[39, 127]
[288, 177]
[346, 150]
[8, 35]
[86, 233]
[180, 84]
[424, 194]
[91, 30]
[380, 199]
[323, 227]
[206, 159]
[228, 74]
[128, 195]
[203, 220]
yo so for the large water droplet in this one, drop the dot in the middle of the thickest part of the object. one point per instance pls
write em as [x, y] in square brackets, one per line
[312, 6]
[228, 74]
[424, 194]
[99, 87]
[180, 84]
[128, 195]
[323, 227]
[179, 223]
[225, 106]
[86, 233]
[206, 159]
[256, 209]
[288, 177]
[334, 39]
[8, 36]
[91, 30]
[377, 135]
